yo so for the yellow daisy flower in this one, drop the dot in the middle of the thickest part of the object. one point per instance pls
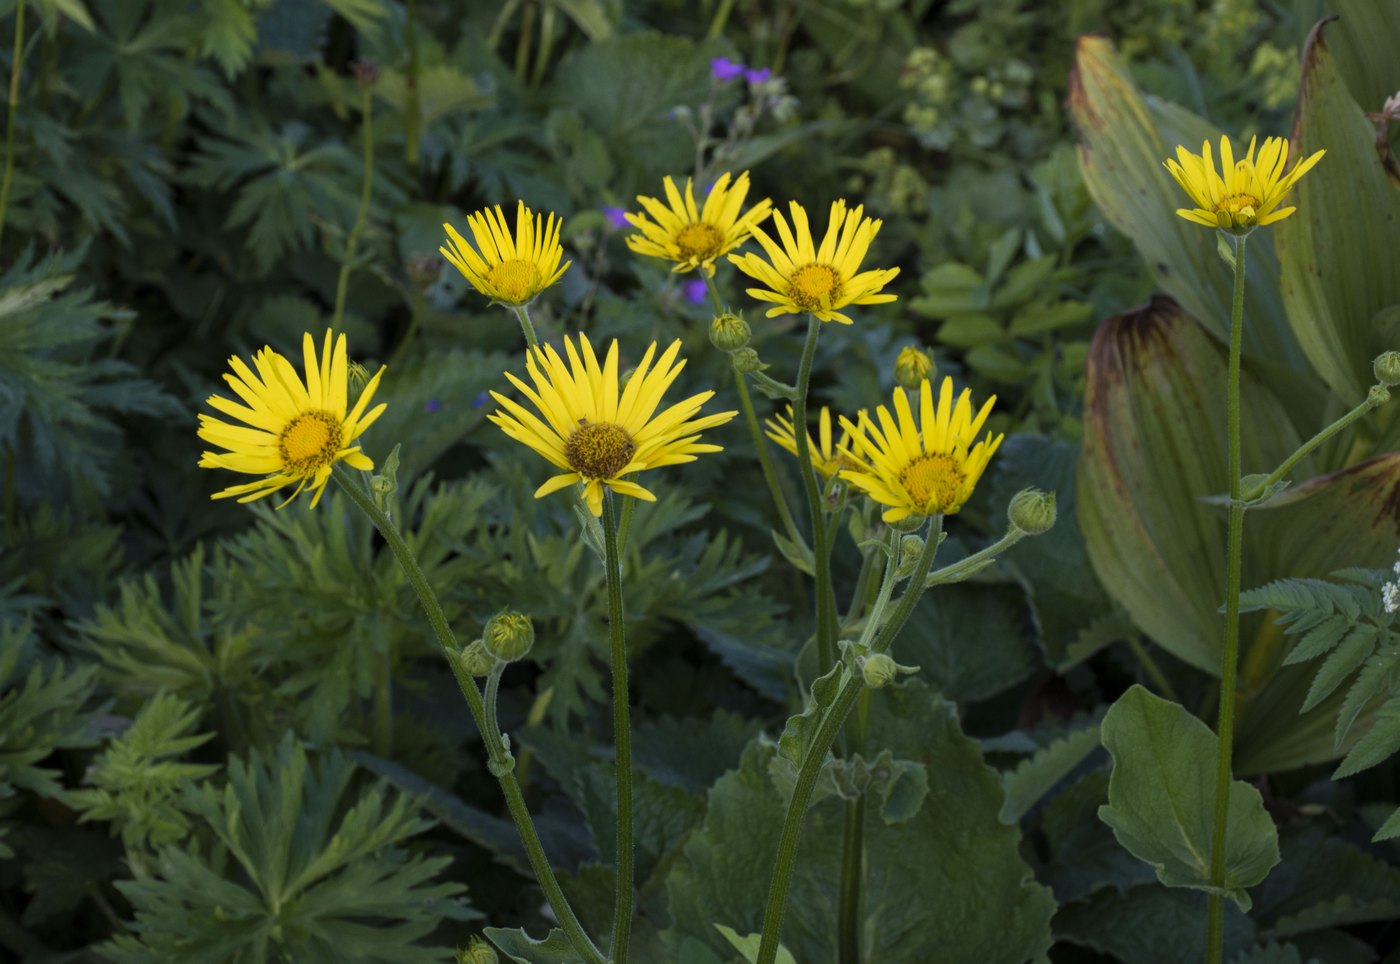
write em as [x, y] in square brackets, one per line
[694, 237]
[801, 277]
[505, 270]
[1246, 193]
[924, 467]
[294, 431]
[598, 431]
[826, 458]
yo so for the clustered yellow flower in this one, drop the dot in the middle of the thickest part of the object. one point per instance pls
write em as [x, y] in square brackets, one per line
[691, 236]
[1245, 193]
[827, 458]
[511, 270]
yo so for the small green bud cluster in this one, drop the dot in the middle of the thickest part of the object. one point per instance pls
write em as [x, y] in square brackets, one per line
[478, 952]
[880, 670]
[476, 660]
[746, 361]
[508, 636]
[1387, 368]
[910, 548]
[1032, 511]
[729, 332]
[913, 367]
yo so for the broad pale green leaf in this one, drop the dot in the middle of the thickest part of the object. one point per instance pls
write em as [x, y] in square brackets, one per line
[1338, 255]
[1161, 798]
[1038, 773]
[1124, 140]
[1364, 39]
[749, 945]
[728, 861]
[515, 944]
[1154, 445]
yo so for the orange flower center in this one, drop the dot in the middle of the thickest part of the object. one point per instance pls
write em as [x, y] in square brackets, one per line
[310, 442]
[699, 241]
[933, 482]
[599, 450]
[514, 281]
[1245, 204]
[815, 286]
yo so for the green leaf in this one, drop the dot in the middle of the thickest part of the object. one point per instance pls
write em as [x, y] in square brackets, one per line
[749, 945]
[1161, 798]
[1390, 829]
[801, 729]
[1376, 677]
[1324, 881]
[1337, 271]
[1034, 776]
[519, 946]
[1318, 640]
[719, 879]
[1377, 743]
[1350, 653]
[1149, 924]
[1365, 38]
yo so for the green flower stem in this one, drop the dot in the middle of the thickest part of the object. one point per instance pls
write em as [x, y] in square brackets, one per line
[622, 740]
[826, 734]
[1257, 491]
[493, 695]
[1215, 908]
[413, 106]
[362, 213]
[774, 387]
[498, 755]
[975, 563]
[821, 548]
[857, 605]
[760, 444]
[522, 312]
[16, 65]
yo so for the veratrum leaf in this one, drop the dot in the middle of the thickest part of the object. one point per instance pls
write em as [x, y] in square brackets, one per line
[1377, 743]
[1338, 272]
[1034, 776]
[1161, 798]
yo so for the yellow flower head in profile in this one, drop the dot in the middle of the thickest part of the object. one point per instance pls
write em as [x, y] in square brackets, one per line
[1244, 194]
[294, 430]
[599, 431]
[505, 268]
[924, 466]
[827, 459]
[801, 277]
[692, 236]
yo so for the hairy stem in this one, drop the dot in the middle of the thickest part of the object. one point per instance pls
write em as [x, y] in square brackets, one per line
[522, 314]
[821, 550]
[1215, 908]
[501, 764]
[622, 740]
[347, 265]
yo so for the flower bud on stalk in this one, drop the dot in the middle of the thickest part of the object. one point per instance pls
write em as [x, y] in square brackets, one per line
[476, 660]
[1387, 368]
[509, 636]
[746, 361]
[729, 332]
[478, 952]
[880, 670]
[913, 367]
[1032, 511]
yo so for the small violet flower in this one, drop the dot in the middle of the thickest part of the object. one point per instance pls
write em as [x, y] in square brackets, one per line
[617, 217]
[432, 405]
[696, 291]
[724, 70]
[757, 76]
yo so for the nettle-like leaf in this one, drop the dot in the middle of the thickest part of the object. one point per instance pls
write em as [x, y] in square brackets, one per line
[300, 868]
[61, 394]
[135, 783]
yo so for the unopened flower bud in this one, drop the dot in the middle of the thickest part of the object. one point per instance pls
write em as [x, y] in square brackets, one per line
[1378, 396]
[729, 332]
[382, 486]
[910, 548]
[478, 952]
[509, 636]
[1032, 511]
[1387, 368]
[880, 670]
[913, 367]
[476, 660]
[359, 375]
[746, 361]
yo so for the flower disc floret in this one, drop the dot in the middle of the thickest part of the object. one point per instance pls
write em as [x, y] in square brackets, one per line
[511, 269]
[597, 430]
[294, 429]
[802, 277]
[691, 235]
[1245, 193]
[918, 467]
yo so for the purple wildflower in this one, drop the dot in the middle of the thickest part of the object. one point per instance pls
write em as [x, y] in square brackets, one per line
[616, 216]
[696, 290]
[724, 70]
[480, 399]
[432, 405]
[757, 76]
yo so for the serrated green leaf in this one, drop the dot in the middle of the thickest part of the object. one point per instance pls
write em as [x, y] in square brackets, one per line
[1034, 776]
[1377, 743]
[1161, 799]
[1390, 829]
[748, 945]
[1318, 640]
[1350, 653]
[515, 944]
[1149, 924]
[1376, 677]
[801, 729]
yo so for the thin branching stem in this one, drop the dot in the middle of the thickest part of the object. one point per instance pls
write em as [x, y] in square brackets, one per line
[16, 65]
[352, 241]
[622, 738]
